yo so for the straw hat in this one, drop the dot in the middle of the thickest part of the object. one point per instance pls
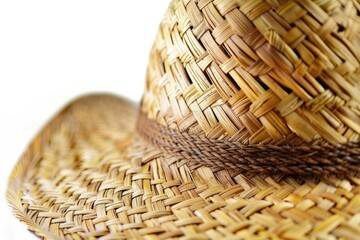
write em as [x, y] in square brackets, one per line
[249, 128]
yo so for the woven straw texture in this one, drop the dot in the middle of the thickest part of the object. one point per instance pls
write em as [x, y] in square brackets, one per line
[85, 177]
[260, 71]
[263, 73]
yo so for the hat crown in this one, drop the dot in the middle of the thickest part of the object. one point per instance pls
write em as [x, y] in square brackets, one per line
[258, 72]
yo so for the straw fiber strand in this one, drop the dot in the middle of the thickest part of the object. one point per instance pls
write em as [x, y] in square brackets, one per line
[88, 175]
[258, 72]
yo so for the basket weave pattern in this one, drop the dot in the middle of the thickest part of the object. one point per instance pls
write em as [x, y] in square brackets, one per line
[263, 71]
[240, 72]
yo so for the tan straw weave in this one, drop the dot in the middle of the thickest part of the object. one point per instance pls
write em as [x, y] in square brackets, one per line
[259, 71]
[249, 128]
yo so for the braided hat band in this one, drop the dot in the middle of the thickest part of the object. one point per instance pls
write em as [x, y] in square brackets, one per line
[255, 158]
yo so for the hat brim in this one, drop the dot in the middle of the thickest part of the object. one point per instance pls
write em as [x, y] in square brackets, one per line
[89, 175]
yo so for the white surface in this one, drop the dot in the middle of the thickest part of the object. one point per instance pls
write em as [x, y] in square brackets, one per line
[54, 51]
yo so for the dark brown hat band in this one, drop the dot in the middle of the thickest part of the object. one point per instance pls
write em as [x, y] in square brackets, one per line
[223, 154]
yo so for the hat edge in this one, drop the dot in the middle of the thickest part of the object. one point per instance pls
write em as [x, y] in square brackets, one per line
[28, 158]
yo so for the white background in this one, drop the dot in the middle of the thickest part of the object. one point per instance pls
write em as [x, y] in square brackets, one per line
[54, 51]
